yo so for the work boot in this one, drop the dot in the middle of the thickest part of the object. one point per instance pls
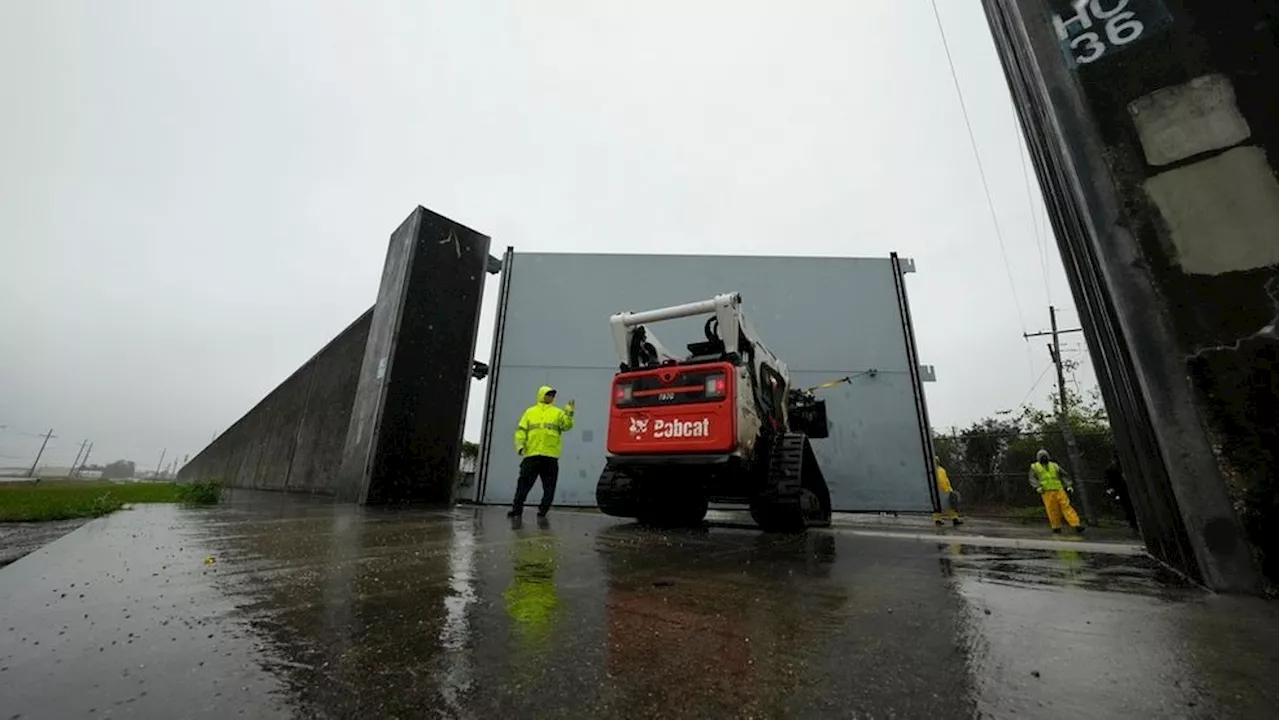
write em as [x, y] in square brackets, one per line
[514, 513]
[956, 522]
[938, 522]
[543, 513]
[1057, 531]
[1080, 528]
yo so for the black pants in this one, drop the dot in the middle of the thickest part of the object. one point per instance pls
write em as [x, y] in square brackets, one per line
[532, 468]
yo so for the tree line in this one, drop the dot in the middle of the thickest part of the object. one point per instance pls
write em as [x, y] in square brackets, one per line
[988, 460]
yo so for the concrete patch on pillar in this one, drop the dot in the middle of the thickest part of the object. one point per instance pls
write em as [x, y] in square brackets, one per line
[1221, 212]
[1178, 122]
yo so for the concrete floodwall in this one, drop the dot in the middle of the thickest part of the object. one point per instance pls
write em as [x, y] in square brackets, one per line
[293, 439]
[376, 416]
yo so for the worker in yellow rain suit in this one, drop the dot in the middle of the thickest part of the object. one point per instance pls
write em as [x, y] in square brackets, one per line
[1048, 478]
[948, 496]
[538, 442]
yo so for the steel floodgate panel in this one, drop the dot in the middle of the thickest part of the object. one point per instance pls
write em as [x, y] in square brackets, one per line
[825, 317]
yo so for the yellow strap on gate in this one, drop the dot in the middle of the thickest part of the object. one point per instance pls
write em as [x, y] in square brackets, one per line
[830, 383]
[841, 381]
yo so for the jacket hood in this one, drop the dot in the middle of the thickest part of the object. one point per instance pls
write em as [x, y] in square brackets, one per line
[542, 392]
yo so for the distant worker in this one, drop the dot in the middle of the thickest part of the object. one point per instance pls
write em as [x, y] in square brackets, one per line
[1050, 480]
[1118, 491]
[949, 498]
[538, 442]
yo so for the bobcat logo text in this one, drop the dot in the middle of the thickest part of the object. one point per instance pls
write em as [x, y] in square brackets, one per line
[668, 429]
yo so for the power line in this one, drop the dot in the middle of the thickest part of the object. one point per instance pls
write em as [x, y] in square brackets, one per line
[982, 173]
[24, 433]
[1032, 215]
[1046, 228]
[1031, 363]
[1035, 385]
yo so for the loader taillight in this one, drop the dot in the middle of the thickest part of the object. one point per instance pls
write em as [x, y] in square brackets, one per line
[715, 386]
[622, 393]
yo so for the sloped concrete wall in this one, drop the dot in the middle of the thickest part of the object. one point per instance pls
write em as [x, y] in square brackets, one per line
[323, 428]
[293, 439]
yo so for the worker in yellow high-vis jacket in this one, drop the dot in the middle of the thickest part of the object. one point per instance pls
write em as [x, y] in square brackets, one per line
[1050, 480]
[949, 497]
[538, 443]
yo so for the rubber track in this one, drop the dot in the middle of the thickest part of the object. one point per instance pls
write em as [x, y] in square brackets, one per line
[613, 494]
[778, 507]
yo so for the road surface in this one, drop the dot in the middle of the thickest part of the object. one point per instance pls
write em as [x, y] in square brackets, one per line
[271, 606]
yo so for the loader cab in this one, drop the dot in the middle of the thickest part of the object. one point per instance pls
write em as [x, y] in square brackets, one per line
[710, 349]
[773, 396]
[644, 351]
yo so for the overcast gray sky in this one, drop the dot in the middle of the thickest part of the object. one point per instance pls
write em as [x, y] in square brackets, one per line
[195, 197]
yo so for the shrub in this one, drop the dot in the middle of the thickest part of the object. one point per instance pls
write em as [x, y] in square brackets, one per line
[104, 504]
[205, 492]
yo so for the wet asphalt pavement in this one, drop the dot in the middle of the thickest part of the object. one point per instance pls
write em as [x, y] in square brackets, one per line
[272, 606]
[20, 538]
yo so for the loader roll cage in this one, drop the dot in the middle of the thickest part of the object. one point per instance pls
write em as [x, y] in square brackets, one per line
[727, 334]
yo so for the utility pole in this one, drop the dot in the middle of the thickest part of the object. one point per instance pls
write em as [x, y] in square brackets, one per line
[1064, 423]
[84, 460]
[162, 452]
[72, 472]
[32, 471]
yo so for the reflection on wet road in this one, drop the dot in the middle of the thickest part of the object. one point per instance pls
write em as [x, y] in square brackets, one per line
[317, 610]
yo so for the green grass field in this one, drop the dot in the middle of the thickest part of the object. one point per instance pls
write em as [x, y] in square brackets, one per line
[66, 499]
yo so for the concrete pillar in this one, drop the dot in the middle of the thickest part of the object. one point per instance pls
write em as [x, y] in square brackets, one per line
[1153, 129]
